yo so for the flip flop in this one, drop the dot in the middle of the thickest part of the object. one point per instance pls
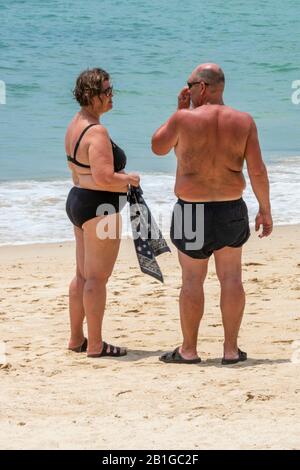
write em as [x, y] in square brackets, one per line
[114, 351]
[176, 358]
[81, 348]
[242, 357]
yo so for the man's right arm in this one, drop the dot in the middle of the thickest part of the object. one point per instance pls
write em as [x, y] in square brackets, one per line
[259, 181]
[166, 137]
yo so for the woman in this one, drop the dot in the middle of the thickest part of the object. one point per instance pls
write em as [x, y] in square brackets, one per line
[97, 166]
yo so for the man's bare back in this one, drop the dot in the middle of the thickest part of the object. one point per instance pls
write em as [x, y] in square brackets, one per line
[211, 142]
[210, 153]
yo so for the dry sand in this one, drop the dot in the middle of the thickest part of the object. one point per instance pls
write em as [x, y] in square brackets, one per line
[55, 399]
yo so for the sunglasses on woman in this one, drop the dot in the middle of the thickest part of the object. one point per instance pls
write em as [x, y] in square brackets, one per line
[108, 91]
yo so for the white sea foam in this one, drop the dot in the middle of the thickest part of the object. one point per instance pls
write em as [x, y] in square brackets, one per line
[34, 211]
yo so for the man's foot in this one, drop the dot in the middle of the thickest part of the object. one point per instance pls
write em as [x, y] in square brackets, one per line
[176, 357]
[242, 356]
[81, 348]
[109, 350]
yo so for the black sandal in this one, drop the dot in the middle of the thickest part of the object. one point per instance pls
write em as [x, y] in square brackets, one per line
[176, 358]
[242, 357]
[115, 351]
[81, 348]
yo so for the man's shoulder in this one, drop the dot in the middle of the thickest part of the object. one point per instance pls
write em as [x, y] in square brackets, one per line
[181, 116]
[238, 114]
[182, 113]
[185, 115]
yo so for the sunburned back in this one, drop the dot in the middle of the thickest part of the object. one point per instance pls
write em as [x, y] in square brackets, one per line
[210, 153]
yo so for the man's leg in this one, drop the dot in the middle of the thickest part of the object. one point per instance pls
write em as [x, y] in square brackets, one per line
[191, 302]
[232, 301]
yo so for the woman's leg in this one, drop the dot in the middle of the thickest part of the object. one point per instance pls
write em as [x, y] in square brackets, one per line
[99, 260]
[76, 294]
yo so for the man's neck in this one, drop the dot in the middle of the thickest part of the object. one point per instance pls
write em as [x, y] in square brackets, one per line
[218, 101]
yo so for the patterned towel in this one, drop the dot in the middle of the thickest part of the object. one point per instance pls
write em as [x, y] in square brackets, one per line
[148, 239]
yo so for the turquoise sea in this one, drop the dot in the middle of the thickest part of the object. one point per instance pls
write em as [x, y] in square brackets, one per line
[149, 48]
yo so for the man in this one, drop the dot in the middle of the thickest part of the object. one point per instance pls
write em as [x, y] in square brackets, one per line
[211, 142]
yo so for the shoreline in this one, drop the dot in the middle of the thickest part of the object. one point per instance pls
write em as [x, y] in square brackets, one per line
[127, 237]
[28, 207]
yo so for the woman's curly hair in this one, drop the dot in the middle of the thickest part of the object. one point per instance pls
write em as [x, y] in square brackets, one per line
[89, 84]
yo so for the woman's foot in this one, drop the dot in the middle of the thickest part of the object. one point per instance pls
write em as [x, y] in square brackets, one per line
[109, 350]
[81, 347]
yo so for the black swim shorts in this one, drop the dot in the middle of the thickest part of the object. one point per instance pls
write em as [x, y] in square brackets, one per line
[200, 228]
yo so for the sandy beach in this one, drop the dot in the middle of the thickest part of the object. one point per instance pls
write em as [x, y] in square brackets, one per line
[55, 399]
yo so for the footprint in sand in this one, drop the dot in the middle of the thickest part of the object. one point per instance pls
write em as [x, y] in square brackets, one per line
[286, 341]
[54, 372]
[250, 396]
[259, 397]
[253, 264]
[265, 397]
[122, 393]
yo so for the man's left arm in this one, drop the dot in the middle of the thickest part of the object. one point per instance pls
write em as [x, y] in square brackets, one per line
[166, 137]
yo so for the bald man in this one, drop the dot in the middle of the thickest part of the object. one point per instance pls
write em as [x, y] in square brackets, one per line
[211, 143]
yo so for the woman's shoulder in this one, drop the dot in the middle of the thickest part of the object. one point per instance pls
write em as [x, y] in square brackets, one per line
[98, 131]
